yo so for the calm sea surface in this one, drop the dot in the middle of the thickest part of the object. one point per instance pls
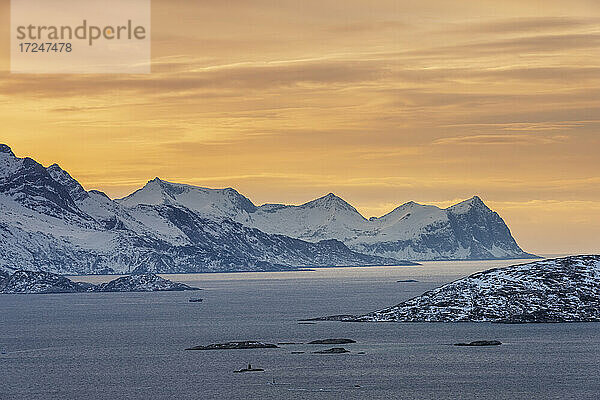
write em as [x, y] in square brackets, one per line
[131, 345]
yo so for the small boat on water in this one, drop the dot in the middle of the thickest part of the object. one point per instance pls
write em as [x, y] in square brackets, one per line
[195, 300]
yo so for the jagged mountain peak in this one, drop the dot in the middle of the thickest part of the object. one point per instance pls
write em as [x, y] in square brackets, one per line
[328, 198]
[29, 183]
[170, 189]
[5, 149]
[467, 230]
[211, 202]
[330, 201]
[99, 193]
[474, 202]
[9, 163]
[406, 210]
[154, 192]
[407, 207]
[65, 179]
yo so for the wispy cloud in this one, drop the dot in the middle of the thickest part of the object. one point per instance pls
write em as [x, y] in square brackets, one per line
[502, 139]
[520, 25]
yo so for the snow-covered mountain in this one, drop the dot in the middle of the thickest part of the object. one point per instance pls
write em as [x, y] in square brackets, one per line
[558, 290]
[48, 221]
[466, 231]
[226, 203]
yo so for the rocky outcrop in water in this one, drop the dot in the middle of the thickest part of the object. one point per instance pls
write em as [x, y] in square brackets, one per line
[478, 343]
[333, 350]
[142, 283]
[41, 282]
[248, 344]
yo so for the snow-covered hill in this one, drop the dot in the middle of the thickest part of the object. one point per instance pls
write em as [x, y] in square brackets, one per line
[468, 230]
[42, 282]
[142, 283]
[48, 221]
[558, 290]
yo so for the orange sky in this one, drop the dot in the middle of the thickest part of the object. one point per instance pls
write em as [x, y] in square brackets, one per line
[380, 102]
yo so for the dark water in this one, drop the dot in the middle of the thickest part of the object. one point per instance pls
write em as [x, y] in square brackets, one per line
[131, 346]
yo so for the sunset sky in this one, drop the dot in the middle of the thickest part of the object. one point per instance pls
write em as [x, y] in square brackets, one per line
[380, 102]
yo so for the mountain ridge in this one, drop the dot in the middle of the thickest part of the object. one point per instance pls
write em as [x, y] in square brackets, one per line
[410, 231]
[49, 222]
[165, 223]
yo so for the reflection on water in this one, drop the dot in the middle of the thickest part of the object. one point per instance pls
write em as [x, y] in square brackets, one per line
[438, 270]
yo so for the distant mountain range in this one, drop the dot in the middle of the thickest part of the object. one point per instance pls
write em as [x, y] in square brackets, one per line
[559, 290]
[466, 231]
[48, 221]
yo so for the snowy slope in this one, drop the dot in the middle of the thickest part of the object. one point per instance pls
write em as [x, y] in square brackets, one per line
[558, 290]
[49, 222]
[328, 217]
[226, 203]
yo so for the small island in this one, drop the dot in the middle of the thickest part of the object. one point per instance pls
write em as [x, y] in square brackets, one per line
[248, 344]
[478, 343]
[42, 282]
[333, 350]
